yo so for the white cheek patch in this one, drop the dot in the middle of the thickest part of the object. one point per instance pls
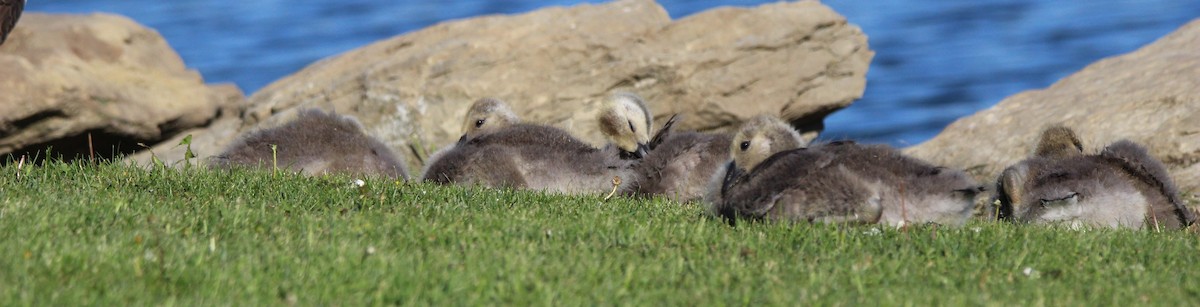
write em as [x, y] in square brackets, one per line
[761, 147]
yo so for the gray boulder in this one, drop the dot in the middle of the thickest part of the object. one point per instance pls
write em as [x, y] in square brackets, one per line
[66, 77]
[1150, 96]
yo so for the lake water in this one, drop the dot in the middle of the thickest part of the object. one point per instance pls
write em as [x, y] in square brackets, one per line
[935, 60]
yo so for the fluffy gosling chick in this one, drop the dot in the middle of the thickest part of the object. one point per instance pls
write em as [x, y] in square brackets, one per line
[920, 192]
[771, 177]
[314, 143]
[1122, 186]
[680, 166]
[527, 156]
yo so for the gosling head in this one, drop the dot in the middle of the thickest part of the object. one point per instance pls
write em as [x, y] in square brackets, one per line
[486, 115]
[626, 123]
[1057, 142]
[761, 137]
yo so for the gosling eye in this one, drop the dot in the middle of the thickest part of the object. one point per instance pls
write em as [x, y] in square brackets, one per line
[478, 123]
[745, 145]
[631, 126]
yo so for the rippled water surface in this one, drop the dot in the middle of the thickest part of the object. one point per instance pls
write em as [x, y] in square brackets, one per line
[935, 60]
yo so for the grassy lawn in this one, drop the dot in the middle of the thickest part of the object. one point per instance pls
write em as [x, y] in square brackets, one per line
[110, 234]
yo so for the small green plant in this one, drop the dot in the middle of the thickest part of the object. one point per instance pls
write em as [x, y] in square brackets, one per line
[154, 160]
[188, 155]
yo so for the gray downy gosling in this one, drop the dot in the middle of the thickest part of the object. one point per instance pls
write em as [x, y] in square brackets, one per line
[772, 177]
[315, 143]
[529, 156]
[1121, 187]
[676, 165]
[919, 192]
[679, 165]
[484, 116]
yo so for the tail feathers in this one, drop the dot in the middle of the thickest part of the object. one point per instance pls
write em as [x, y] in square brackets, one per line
[664, 133]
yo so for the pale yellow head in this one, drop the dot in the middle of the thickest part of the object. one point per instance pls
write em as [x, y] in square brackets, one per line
[626, 122]
[761, 137]
[486, 115]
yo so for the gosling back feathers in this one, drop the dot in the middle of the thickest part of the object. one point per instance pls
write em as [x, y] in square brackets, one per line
[315, 142]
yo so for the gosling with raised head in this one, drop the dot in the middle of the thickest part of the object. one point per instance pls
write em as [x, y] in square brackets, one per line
[772, 177]
[485, 115]
[839, 181]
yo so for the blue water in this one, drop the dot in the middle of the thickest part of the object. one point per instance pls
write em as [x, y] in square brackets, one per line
[935, 60]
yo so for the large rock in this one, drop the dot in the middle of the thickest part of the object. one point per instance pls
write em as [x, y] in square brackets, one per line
[69, 76]
[1150, 96]
[801, 60]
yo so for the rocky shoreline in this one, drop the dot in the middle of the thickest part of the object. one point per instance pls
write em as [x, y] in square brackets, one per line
[119, 83]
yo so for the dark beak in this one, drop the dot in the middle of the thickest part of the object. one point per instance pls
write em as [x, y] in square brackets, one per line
[732, 175]
[637, 154]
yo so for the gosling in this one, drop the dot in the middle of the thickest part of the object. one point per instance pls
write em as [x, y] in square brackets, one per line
[484, 116]
[854, 182]
[537, 157]
[315, 143]
[505, 158]
[772, 177]
[922, 192]
[1121, 187]
[675, 165]
[678, 166]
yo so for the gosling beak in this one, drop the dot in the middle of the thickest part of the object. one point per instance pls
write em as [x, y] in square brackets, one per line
[637, 154]
[732, 175]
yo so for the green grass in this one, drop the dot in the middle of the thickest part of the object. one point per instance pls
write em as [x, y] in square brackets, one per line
[109, 234]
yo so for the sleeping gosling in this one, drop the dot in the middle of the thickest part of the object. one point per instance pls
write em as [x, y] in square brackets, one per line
[314, 143]
[1121, 187]
[528, 156]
